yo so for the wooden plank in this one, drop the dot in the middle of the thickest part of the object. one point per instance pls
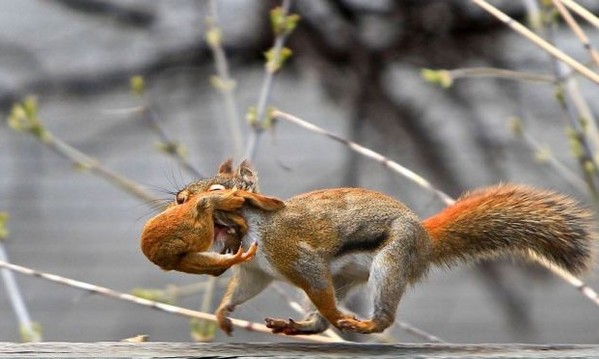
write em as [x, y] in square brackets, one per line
[290, 350]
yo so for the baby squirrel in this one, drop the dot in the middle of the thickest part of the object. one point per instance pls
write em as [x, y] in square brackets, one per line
[200, 233]
[328, 241]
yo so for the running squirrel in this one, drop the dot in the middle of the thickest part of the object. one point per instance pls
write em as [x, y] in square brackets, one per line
[328, 241]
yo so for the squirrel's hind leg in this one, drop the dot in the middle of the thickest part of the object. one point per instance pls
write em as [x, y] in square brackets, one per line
[314, 322]
[402, 261]
[317, 283]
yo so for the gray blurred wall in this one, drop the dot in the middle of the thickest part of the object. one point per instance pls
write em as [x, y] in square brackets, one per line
[77, 225]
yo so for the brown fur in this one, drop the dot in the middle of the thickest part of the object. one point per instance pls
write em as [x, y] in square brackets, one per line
[513, 219]
[326, 242]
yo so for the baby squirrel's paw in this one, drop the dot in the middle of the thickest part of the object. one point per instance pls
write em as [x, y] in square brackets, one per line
[242, 257]
[227, 201]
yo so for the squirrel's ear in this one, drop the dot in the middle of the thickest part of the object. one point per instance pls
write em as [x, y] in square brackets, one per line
[246, 172]
[226, 167]
[263, 202]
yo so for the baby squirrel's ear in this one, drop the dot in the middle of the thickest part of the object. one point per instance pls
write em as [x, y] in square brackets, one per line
[226, 167]
[246, 172]
[263, 202]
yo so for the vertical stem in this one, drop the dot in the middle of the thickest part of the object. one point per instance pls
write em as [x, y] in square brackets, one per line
[27, 330]
[222, 69]
[265, 92]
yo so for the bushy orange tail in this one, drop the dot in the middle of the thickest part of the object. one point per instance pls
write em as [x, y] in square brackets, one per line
[513, 219]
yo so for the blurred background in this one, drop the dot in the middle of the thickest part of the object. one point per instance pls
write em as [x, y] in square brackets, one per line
[356, 70]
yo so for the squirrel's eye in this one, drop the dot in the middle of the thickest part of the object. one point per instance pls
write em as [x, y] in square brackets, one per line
[181, 197]
[216, 187]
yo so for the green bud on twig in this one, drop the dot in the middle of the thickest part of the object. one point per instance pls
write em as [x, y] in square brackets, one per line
[214, 37]
[137, 84]
[252, 116]
[81, 166]
[172, 148]
[23, 118]
[3, 228]
[584, 123]
[275, 60]
[222, 85]
[270, 119]
[560, 95]
[550, 15]
[27, 335]
[543, 154]
[283, 24]
[202, 330]
[156, 295]
[589, 167]
[439, 77]
[515, 125]
[574, 142]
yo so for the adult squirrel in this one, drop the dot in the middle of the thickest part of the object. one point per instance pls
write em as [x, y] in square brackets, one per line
[328, 241]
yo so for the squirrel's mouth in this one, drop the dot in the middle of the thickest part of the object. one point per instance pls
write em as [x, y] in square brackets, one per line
[227, 238]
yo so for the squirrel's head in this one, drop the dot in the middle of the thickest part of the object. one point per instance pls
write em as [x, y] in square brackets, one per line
[242, 178]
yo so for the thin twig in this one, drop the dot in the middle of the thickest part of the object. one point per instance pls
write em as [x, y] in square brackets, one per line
[250, 326]
[419, 180]
[583, 136]
[171, 146]
[500, 73]
[418, 332]
[86, 162]
[572, 86]
[577, 30]
[266, 89]
[537, 40]
[573, 280]
[168, 144]
[223, 81]
[544, 155]
[582, 12]
[24, 118]
[28, 331]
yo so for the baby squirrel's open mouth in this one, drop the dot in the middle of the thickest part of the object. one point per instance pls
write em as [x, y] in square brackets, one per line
[227, 238]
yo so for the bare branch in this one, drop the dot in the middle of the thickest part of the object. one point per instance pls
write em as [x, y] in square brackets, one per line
[223, 81]
[250, 326]
[27, 327]
[537, 40]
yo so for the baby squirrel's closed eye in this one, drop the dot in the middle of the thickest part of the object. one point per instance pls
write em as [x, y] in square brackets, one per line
[182, 196]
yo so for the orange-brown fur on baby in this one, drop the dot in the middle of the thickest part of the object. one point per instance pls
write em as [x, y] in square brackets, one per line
[179, 237]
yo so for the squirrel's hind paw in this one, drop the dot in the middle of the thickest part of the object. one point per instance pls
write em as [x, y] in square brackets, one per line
[358, 326]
